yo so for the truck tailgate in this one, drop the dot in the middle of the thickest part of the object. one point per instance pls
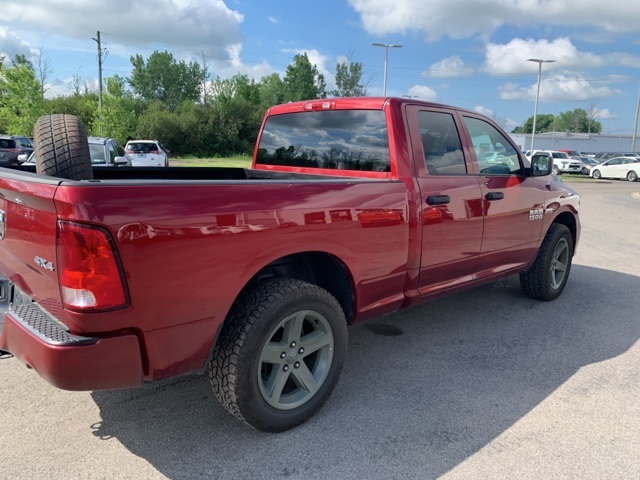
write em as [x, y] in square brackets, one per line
[28, 237]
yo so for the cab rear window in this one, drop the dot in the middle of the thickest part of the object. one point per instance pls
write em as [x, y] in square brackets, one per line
[334, 139]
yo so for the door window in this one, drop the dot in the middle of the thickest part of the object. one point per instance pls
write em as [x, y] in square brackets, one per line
[441, 144]
[495, 155]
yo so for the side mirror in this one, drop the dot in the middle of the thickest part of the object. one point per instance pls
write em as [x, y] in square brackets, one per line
[541, 165]
[121, 161]
[23, 157]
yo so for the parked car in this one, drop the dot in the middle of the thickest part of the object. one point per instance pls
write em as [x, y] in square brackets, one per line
[108, 151]
[147, 153]
[586, 164]
[369, 230]
[12, 146]
[562, 163]
[602, 156]
[104, 152]
[571, 153]
[619, 167]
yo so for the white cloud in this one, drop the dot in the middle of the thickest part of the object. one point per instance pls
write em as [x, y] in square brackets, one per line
[194, 23]
[487, 112]
[468, 18]
[556, 87]
[11, 44]
[272, 19]
[423, 92]
[604, 114]
[511, 58]
[448, 67]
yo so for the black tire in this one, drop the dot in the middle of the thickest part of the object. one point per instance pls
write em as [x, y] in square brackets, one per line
[632, 176]
[62, 149]
[548, 275]
[596, 174]
[275, 336]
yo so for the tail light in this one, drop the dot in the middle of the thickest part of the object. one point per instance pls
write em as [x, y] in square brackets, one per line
[130, 152]
[89, 269]
[154, 152]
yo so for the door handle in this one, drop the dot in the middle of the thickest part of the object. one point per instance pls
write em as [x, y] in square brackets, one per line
[494, 196]
[438, 199]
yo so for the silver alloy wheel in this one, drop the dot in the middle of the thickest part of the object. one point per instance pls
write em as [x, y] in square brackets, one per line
[632, 176]
[295, 360]
[596, 174]
[559, 263]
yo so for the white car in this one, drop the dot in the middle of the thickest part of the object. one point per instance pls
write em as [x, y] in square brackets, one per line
[618, 167]
[147, 153]
[562, 163]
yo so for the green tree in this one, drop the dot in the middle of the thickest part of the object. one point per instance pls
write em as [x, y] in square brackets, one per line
[349, 80]
[21, 101]
[544, 123]
[82, 105]
[577, 121]
[302, 81]
[162, 78]
[271, 89]
[118, 116]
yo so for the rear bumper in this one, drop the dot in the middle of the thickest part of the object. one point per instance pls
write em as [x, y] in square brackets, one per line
[68, 361]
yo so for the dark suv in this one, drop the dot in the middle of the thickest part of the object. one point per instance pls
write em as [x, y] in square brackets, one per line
[13, 145]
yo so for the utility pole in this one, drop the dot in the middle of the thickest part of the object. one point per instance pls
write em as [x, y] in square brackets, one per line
[635, 128]
[97, 40]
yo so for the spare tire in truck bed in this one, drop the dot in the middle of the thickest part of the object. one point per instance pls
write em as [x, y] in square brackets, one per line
[62, 149]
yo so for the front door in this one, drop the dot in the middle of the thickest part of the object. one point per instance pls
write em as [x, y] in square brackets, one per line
[451, 211]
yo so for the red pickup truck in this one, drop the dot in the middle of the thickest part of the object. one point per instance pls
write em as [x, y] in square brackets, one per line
[353, 208]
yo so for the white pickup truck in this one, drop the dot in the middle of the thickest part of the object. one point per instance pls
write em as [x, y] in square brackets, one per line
[562, 163]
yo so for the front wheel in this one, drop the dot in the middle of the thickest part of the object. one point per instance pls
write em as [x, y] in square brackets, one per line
[597, 174]
[556, 170]
[279, 354]
[632, 176]
[548, 275]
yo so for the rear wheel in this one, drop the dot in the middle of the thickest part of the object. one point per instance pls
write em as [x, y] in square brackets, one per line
[62, 149]
[279, 354]
[632, 176]
[548, 275]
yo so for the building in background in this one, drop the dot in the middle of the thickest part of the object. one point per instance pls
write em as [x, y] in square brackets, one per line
[583, 142]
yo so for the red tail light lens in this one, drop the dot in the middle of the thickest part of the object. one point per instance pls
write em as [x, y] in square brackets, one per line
[89, 269]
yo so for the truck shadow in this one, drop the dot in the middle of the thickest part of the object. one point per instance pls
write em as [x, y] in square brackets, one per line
[422, 390]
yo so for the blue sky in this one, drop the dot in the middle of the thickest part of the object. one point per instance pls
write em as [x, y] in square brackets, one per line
[469, 53]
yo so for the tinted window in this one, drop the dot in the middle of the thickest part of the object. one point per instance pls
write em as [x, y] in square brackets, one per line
[495, 154]
[337, 139]
[441, 144]
[142, 147]
[96, 152]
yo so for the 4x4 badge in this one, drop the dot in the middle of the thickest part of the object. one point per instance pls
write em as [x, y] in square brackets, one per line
[41, 262]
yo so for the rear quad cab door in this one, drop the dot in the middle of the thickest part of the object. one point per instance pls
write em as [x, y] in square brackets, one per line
[450, 212]
[513, 203]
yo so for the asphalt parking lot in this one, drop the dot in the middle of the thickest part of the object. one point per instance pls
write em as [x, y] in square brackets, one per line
[483, 384]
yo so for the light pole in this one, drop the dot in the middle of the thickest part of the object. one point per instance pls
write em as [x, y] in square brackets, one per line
[386, 47]
[539, 61]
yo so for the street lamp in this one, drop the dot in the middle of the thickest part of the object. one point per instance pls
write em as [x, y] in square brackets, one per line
[386, 47]
[539, 61]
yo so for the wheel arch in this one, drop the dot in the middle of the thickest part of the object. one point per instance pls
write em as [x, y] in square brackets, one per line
[318, 268]
[569, 220]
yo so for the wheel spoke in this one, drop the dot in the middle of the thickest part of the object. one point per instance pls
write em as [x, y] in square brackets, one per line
[293, 328]
[304, 379]
[315, 341]
[275, 384]
[271, 353]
